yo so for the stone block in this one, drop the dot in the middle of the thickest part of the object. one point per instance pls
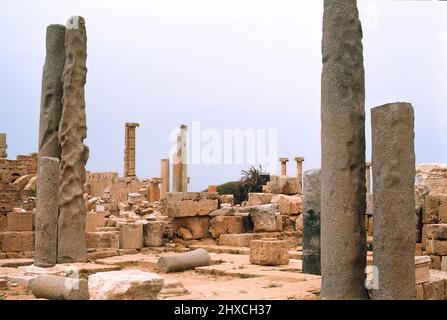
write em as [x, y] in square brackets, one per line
[153, 233]
[444, 264]
[3, 223]
[264, 218]
[283, 185]
[422, 269]
[437, 231]
[198, 227]
[90, 222]
[437, 247]
[244, 239]
[107, 239]
[17, 241]
[226, 198]
[125, 285]
[430, 213]
[255, 199]
[435, 262]
[130, 235]
[419, 292]
[288, 205]
[434, 289]
[100, 219]
[225, 224]
[269, 252]
[134, 198]
[20, 221]
[191, 208]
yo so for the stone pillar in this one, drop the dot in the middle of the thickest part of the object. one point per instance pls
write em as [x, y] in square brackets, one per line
[154, 191]
[368, 177]
[180, 165]
[74, 156]
[164, 187]
[343, 192]
[51, 94]
[129, 150]
[212, 188]
[3, 146]
[47, 211]
[299, 171]
[392, 127]
[311, 222]
[283, 166]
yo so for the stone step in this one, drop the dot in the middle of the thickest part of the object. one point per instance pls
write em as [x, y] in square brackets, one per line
[14, 263]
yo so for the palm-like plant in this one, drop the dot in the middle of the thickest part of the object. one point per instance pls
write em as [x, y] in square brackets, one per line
[252, 180]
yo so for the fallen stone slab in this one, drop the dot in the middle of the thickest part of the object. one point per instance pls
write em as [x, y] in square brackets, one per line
[125, 285]
[221, 249]
[59, 288]
[14, 263]
[184, 261]
[74, 270]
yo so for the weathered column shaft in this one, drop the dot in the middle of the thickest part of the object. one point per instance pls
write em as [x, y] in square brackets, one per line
[3, 146]
[368, 177]
[299, 171]
[180, 165]
[154, 190]
[183, 158]
[74, 156]
[129, 150]
[47, 210]
[283, 166]
[164, 187]
[52, 91]
[343, 202]
[394, 171]
[311, 222]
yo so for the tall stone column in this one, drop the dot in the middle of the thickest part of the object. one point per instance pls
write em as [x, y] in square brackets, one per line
[154, 190]
[47, 210]
[164, 187]
[283, 165]
[299, 171]
[129, 150]
[74, 156]
[52, 91]
[368, 177]
[392, 127]
[3, 146]
[311, 222]
[180, 165]
[343, 198]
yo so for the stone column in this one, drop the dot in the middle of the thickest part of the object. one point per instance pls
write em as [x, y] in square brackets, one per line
[368, 177]
[164, 188]
[74, 156]
[47, 211]
[180, 166]
[299, 171]
[343, 192]
[311, 222]
[283, 166]
[129, 149]
[3, 146]
[154, 190]
[51, 94]
[392, 127]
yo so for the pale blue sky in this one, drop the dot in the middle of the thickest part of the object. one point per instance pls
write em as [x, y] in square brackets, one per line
[228, 64]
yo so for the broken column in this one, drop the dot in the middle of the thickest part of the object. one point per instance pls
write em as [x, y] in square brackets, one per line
[154, 191]
[392, 127]
[129, 149]
[3, 146]
[311, 222]
[283, 166]
[368, 177]
[180, 166]
[164, 187]
[52, 91]
[343, 204]
[47, 211]
[299, 171]
[72, 132]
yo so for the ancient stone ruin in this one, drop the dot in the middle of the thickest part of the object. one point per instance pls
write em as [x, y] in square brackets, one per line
[351, 229]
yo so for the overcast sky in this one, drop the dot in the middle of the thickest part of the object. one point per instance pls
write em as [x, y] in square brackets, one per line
[228, 64]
